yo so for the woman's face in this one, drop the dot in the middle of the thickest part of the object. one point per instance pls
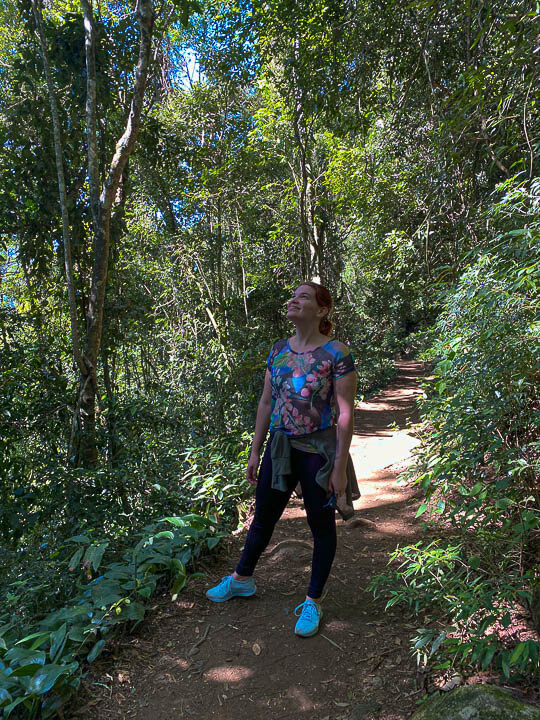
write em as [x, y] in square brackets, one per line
[303, 305]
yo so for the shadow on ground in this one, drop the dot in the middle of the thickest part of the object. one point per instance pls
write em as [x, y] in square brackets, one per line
[240, 660]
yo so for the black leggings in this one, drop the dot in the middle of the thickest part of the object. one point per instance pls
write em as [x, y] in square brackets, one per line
[270, 505]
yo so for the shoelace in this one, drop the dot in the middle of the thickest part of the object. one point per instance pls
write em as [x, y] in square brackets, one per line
[308, 609]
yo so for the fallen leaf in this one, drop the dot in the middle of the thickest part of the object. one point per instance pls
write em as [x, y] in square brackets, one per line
[256, 649]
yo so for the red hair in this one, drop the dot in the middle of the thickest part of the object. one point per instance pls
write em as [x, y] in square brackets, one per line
[324, 299]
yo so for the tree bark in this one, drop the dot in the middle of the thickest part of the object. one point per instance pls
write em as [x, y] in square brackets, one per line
[102, 215]
[59, 157]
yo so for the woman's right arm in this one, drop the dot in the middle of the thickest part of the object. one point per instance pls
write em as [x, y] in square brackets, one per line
[261, 428]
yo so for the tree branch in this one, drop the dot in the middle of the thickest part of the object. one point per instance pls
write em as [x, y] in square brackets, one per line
[125, 145]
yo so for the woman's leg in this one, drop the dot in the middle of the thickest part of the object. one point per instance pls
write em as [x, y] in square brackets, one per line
[321, 520]
[269, 507]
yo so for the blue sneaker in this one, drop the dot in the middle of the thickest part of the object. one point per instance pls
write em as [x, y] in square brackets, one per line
[310, 617]
[229, 588]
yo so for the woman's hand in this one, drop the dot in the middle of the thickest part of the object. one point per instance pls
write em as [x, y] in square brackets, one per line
[253, 467]
[337, 481]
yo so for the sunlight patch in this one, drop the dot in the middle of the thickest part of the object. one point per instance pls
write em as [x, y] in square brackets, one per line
[228, 673]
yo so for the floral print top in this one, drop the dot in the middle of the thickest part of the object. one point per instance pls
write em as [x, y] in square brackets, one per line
[303, 387]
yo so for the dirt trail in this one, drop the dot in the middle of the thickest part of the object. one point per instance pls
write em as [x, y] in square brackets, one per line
[240, 660]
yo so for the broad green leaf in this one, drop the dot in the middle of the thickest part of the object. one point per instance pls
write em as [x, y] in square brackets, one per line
[76, 559]
[174, 520]
[488, 656]
[58, 638]
[22, 655]
[178, 585]
[95, 652]
[26, 670]
[94, 555]
[165, 533]
[46, 677]
[517, 653]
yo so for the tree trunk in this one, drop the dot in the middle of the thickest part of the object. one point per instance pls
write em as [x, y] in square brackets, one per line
[59, 157]
[102, 209]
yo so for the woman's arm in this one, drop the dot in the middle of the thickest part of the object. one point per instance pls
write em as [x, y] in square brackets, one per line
[261, 428]
[345, 392]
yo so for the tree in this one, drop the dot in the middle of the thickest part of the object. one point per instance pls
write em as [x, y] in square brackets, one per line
[106, 197]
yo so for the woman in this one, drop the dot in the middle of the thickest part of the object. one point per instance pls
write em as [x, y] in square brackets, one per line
[307, 376]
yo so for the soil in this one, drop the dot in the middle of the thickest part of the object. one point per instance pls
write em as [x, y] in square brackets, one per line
[240, 660]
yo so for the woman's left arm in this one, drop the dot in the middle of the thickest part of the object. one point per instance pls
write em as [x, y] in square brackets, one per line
[345, 392]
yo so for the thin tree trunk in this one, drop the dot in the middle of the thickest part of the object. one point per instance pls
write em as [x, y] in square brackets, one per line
[91, 110]
[58, 152]
[102, 217]
[242, 266]
[299, 131]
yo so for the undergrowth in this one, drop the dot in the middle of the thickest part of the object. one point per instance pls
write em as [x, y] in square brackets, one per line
[478, 466]
[108, 579]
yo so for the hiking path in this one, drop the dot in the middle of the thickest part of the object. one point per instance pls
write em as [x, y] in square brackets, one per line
[240, 660]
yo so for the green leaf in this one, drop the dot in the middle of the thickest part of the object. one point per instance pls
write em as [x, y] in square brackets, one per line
[22, 655]
[95, 652]
[437, 643]
[174, 520]
[178, 585]
[58, 638]
[26, 670]
[212, 542]
[488, 656]
[94, 555]
[46, 677]
[421, 510]
[37, 635]
[75, 559]
[8, 708]
[134, 611]
[517, 653]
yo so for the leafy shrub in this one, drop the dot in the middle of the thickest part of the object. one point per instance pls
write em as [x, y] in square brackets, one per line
[41, 670]
[213, 480]
[479, 463]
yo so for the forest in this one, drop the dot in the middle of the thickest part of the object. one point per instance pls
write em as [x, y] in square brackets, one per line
[170, 172]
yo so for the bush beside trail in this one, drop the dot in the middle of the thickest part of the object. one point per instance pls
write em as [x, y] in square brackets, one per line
[479, 465]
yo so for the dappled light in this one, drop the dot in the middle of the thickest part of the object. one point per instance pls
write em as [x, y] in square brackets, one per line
[231, 222]
[228, 674]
